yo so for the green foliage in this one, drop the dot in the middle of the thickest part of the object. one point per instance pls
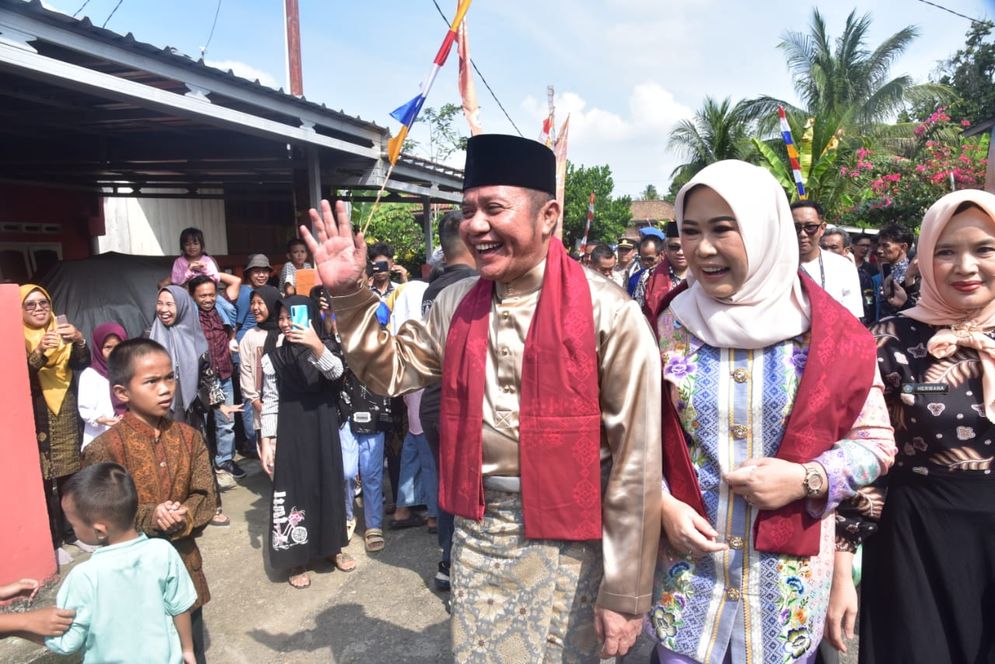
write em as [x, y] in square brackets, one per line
[843, 77]
[611, 215]
[719, 130]
[395, 224]
[895, 188]
[650, 193]
[821, 152]
[443, 138]
[970, 73]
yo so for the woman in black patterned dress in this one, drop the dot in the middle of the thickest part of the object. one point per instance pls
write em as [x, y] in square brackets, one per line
[928, 590]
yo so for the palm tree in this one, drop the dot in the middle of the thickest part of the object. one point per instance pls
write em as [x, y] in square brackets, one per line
[844, 77]
[719, 130]
[847, 99]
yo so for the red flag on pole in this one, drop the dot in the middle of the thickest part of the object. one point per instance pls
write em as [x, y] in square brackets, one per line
[467, 89]
[590, 219]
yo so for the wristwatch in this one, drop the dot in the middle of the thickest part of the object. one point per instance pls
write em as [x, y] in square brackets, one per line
[813, 481]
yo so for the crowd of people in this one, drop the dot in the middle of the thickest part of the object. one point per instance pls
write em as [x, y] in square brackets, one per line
[708, 433]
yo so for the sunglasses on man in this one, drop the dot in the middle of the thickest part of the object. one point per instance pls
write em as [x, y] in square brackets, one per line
[810, 229]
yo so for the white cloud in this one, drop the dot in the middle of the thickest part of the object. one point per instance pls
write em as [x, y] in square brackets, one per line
[245, 71]
[634, 145]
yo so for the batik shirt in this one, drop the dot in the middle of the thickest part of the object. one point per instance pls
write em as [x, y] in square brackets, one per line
[938, 408]
[734, 405]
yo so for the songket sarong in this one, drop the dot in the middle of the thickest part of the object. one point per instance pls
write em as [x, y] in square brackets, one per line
[516, 600]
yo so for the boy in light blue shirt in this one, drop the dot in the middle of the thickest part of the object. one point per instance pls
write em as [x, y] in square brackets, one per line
[132, 597]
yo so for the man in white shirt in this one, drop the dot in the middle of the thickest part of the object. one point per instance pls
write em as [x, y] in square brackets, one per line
[835, 273]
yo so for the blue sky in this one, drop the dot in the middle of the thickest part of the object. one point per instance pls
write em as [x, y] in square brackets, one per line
[626, 70]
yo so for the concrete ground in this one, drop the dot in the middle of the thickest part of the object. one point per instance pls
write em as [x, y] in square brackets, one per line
[387, 610]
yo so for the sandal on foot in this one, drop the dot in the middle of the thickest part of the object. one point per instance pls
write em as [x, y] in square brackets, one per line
[373, 538]
[412, 521]
[299, 578]
[344, 562]
[220, 519]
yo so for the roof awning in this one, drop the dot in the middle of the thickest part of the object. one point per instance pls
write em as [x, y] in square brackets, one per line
[87, 108]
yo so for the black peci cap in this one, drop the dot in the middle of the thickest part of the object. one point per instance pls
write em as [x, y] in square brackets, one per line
[498, 159]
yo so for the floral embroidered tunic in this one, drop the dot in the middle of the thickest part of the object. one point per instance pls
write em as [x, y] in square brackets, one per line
[734, 405]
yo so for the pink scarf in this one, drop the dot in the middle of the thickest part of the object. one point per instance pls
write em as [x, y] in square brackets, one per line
[560, 418]
[962, 327]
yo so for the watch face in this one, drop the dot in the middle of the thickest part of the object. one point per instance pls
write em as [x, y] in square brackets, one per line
[813, 481]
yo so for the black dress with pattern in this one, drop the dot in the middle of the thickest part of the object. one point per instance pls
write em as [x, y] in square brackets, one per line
[928, 591]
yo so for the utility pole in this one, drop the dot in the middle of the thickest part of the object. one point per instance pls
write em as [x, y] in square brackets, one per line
[295, 76]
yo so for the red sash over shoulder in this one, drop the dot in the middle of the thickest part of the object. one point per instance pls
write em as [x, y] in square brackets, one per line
[838, 376]
[657, 287]
[560, 413]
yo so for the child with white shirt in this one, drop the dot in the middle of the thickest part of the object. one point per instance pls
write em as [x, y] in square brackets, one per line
[95, 401]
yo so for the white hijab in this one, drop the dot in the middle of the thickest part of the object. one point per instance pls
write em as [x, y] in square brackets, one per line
[770, 306]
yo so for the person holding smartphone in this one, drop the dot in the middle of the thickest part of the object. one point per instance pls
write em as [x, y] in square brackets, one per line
[894, 242]
[385, 276]
[302, 453]
[56, 351]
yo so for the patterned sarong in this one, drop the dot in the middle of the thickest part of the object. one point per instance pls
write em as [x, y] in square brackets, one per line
[516, 600]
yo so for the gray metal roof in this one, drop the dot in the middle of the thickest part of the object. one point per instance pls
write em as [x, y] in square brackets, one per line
[84, 106]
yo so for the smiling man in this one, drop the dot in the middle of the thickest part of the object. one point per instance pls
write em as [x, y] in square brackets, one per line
[549, 430]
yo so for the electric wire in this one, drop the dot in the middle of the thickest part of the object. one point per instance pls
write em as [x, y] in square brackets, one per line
[482, 79]
[203, 49]
[950, 11]
[82, 7]
[113, 11]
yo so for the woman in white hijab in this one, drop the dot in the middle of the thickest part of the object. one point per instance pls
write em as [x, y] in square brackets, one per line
[761, 438]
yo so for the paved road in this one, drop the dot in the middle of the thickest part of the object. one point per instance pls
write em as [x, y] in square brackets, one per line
[385, 611]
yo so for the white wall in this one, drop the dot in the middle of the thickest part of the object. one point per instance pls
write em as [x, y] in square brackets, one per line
[151, 226]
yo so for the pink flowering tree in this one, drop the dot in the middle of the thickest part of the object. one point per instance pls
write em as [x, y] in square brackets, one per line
[900, 188]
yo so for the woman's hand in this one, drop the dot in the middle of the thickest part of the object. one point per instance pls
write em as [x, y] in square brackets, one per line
[894, 293]
[50, 341]
[267, 454]
[687, 531]
[768, 483]
[109, 421]
[842, 614]
[69, 334]
[26, 587]
[308, 337]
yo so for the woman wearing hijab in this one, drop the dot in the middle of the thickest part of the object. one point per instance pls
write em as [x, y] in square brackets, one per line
[928, 591]
[262, 305]
[54, 352]
[307, 517]
[177, 328]
[762, 439]
[98, 407]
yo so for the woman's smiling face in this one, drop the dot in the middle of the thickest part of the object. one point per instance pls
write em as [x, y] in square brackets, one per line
[964, 260]
[712, 242]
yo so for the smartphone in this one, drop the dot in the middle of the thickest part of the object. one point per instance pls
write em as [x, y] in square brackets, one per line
[381, 266]
[889, 288]
[298, 315]
[61, 319]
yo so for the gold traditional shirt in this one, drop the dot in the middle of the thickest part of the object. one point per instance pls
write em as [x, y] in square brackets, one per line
[630, 375]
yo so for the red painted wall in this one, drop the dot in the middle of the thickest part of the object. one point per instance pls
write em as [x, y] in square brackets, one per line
[27, 544]
[77, 212]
